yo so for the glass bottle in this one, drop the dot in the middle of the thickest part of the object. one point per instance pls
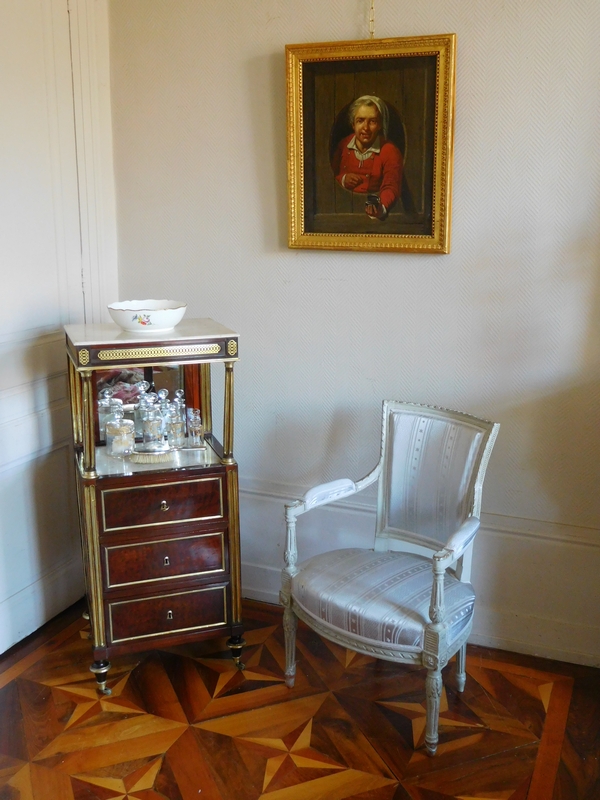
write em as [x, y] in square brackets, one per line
[142, 387]
[152, 428]
[163, 404]
[175, 426]
[180, 400]
[195, 428]
[163, 395]
[104, 410]
[116, 404]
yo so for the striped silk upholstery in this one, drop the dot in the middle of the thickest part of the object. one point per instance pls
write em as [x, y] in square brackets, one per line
[430, 466]
[381, 597]
[408, 599]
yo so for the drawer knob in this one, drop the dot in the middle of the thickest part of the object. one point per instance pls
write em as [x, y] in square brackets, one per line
[164, 506]
[169, 615]
[166, 562]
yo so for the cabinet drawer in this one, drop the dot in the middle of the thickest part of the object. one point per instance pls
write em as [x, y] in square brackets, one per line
[163, 615]
[162, 504]
[177, 557]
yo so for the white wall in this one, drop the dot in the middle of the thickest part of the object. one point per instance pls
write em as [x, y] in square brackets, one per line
[506, 326]
[57, 260]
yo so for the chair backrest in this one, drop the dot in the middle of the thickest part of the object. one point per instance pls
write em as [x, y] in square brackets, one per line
[433, 465]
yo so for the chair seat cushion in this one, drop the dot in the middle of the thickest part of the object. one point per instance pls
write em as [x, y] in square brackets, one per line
[383, 597]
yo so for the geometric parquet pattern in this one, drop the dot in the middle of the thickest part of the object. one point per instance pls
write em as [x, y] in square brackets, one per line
[184, 723]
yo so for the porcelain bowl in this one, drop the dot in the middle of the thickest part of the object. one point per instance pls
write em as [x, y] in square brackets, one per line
[147, 316]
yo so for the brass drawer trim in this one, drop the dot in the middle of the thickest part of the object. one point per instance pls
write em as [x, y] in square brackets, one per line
[108, 550]
[169, 351]
[105, 492]
[222, 623]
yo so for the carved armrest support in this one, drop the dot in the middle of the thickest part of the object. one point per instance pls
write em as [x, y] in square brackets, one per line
[317, 496]
[455, 547]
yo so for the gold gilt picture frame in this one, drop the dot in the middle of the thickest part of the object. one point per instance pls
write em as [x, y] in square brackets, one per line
[370, 144]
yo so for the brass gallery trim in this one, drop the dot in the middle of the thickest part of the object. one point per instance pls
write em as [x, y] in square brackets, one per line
[107, 551]
[199, 361]
[160, 486]
[169, 632]
[158, 352]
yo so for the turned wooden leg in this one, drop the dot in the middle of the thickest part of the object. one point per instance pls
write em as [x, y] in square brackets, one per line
[236, 644]
[100, 670]
[290, 624]
[433, 685]
[461, 668]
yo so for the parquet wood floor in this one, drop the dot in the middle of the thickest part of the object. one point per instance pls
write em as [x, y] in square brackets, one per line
[183, 723]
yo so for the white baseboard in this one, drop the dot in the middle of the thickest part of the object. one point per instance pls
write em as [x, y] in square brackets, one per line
[261, 583]
[27, 610]
[536, 636]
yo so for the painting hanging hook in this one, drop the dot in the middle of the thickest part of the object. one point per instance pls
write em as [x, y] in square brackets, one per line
[372, 19]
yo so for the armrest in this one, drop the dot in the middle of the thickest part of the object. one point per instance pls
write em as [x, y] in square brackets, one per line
[458, 542]
[320, 495]
[328, 492]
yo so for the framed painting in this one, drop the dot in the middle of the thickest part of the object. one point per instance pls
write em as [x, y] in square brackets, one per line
[370, 144]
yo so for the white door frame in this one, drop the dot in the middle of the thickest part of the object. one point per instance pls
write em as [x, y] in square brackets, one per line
[71, 156]
[90, 57]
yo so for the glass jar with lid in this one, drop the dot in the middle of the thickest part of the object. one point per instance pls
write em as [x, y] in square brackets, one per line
[120, 434]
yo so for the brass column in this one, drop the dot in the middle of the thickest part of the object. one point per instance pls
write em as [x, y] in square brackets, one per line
[94, 571]
[228, 415]
[75, 392]
[234, 545]
[89, 440]
[206, 397]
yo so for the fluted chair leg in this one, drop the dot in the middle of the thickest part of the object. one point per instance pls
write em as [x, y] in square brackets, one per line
[461, 668]
[290, 624]
[433, 686]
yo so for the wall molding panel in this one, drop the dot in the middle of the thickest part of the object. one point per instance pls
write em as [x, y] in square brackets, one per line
[34, 398]
[26, 610]
[30, 357]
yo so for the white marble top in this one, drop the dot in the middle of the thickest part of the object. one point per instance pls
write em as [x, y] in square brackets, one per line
[109, 333]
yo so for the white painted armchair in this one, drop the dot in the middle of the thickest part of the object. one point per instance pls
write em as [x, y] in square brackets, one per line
[408, 599]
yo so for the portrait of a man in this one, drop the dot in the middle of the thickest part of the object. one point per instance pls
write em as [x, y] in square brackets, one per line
[369, 143]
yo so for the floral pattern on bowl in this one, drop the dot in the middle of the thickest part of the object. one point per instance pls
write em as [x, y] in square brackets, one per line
[147, 316]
